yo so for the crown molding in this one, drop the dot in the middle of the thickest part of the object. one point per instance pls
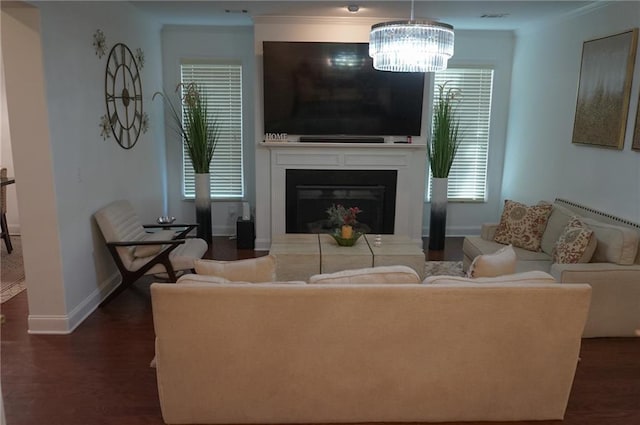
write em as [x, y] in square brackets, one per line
[316, 20]
[536, 26]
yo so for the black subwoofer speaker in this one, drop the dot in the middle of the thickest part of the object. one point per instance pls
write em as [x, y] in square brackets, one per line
[245, 234]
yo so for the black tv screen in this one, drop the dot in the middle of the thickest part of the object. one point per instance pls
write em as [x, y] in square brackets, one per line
[317, 88]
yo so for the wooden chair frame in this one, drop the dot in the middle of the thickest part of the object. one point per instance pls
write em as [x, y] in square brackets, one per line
[130, 276]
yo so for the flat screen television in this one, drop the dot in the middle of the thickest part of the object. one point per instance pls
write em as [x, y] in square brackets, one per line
[318, 88]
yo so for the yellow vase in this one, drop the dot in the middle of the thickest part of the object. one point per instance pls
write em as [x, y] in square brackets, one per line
[347, 231]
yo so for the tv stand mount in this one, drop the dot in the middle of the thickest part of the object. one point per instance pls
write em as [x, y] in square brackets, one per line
[341, 139]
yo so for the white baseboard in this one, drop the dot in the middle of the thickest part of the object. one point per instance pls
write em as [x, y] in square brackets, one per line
[65, 324]
[263, 244]
[48, 324]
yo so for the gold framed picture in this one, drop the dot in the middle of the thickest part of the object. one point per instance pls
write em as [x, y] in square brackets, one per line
[635, 145]
[604, 90]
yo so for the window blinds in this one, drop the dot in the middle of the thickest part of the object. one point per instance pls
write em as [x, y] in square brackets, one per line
[221, 84]
[468, 175]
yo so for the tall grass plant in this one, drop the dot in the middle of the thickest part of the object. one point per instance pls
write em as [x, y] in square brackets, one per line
[444, 142]
[198, 128]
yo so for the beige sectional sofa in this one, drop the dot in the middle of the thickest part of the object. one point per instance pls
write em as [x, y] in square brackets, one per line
[613, 272]
[353, 352]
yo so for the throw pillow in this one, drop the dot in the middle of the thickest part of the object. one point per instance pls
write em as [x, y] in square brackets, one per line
[522, 226]
[149, 250]
[576, 243]
[499, 263]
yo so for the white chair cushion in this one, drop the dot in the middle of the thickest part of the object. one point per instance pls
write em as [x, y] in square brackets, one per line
[182, 257]
[141, 251]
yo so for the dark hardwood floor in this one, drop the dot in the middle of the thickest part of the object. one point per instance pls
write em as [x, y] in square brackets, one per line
[100, 373]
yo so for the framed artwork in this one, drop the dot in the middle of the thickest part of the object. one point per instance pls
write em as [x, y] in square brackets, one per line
[604, 90]
[635, 145]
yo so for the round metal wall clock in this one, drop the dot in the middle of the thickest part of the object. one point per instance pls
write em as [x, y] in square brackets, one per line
[123, 95]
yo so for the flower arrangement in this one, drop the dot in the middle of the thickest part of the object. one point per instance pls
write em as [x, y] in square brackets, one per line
[339, 215]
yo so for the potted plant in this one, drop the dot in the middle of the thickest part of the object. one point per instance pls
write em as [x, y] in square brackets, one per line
[441, 151]
[200, 133]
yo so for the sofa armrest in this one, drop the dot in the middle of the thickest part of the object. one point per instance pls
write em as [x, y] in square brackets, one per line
[595, 273]
[488, 231]
[615, 296]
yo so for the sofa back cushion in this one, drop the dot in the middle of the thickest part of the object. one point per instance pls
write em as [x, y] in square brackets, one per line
[201, 279]
[533, 276]
[615, 244]
[556, 224]
[380, 274]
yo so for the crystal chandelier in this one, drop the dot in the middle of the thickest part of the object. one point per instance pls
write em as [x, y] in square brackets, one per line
[411, 46]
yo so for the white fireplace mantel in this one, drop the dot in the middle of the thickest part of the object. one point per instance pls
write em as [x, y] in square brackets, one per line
[408, 159]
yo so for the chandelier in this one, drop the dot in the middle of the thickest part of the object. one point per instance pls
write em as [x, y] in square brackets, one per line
[411, 46]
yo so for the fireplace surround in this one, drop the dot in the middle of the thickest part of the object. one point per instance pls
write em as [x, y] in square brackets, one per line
[273, 159]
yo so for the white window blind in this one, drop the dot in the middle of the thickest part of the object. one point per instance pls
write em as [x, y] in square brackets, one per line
[468, 175]
[221, 85]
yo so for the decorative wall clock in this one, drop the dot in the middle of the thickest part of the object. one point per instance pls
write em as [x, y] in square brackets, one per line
[123, 96]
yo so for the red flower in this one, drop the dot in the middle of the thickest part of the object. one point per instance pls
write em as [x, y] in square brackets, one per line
[339, 215]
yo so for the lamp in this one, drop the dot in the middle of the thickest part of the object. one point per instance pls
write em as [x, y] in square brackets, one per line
[411, 46]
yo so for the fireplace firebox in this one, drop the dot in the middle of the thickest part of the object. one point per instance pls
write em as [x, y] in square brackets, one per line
[309, 193]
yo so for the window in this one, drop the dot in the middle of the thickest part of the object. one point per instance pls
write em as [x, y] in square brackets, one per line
[221, 84]
[468, 175]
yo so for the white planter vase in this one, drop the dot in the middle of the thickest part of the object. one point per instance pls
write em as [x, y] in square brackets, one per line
[203, 206]
[438, 220]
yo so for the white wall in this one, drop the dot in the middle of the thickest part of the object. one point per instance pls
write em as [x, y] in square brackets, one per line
[209, 43]
[28, 130]
[87, 172]
[541, 162]
[491, 49]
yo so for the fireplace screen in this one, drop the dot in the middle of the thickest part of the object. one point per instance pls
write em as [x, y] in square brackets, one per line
[311, 192]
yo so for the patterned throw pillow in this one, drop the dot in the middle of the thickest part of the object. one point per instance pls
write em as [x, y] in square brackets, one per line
[522, 225]
[576, 244]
